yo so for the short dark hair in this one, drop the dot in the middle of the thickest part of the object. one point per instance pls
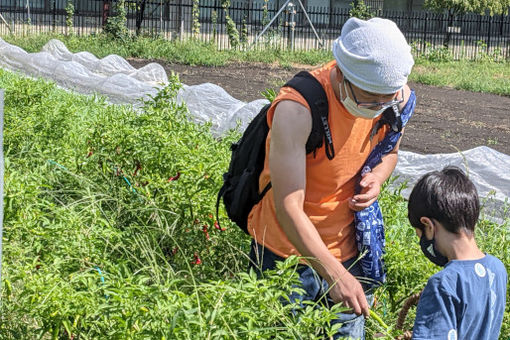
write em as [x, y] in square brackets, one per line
[449, 197]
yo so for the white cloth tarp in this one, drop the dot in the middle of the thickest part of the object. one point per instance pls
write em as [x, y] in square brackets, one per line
[115, 78]
[112, 76]
[209, 102]
[486, 167]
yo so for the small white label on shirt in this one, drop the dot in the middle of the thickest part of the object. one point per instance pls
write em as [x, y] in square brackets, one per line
[452, 334]
[480, 270]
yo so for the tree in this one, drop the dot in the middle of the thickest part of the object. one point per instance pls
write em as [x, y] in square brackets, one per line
[360, 10]
[460, 7]
[140, 10]
[116, 25]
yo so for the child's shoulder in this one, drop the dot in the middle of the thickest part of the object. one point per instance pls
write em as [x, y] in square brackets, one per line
[494, 266]
[467, 272]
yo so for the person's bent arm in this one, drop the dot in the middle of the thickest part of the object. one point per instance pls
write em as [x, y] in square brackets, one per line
[292, 124]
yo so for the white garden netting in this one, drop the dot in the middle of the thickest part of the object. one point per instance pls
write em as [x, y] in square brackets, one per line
[115, 78]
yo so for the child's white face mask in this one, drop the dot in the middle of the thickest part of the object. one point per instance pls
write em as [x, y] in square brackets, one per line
[353, 108]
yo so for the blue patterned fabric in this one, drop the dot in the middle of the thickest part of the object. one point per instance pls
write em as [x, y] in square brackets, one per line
[369, 221]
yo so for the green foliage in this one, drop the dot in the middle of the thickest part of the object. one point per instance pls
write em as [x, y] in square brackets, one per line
[360, 10]
[477, 76]
[69, 17]
[232, 32]
[465, 6]
[214, 23]
[265, 13]
[439, 54]
[269, 94]
[483, 55]
[244, 32]
[116, 25]
[109, 228]
[195, 29]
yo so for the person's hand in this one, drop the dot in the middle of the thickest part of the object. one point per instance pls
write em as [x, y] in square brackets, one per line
[348, 291]
[370, 189]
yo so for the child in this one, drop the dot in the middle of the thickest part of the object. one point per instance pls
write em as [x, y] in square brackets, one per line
[465, 300]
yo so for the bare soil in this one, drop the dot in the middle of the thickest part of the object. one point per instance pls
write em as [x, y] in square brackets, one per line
[446, 120]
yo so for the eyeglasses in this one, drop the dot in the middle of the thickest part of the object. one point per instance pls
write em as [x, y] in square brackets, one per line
[373, 105]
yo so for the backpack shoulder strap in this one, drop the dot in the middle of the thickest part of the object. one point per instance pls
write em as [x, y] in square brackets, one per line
[313, 92]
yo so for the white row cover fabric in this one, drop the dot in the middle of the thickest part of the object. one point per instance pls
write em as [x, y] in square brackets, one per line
[211, 103]
[486, 167]
[112, 76]
[115, 78]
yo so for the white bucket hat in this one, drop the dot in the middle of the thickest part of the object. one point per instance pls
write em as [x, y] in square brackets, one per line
[373, 55]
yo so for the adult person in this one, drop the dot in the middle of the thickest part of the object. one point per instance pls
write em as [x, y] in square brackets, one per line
[310, 209]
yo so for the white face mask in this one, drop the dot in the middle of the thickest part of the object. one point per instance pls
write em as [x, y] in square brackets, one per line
[356, 111]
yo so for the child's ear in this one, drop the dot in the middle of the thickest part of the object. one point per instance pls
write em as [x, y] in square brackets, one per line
[428, 227]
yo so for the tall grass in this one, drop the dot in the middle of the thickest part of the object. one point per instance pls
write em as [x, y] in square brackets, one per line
[109, 229]
[189, 52]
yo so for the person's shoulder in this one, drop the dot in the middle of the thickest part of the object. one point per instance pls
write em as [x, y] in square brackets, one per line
[492, 262]
[440, 279]
[446, 280]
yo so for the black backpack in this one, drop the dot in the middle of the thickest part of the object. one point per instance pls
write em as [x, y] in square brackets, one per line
[240, 190]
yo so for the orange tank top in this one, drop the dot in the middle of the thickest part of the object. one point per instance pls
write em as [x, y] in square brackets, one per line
[329, 183]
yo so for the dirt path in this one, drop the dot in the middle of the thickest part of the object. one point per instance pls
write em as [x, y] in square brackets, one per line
[445, 119]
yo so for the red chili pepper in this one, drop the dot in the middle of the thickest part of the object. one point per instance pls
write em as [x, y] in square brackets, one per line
[91, 152]
[175, 178]
[217, 226]
[204, 229]
[197, 260]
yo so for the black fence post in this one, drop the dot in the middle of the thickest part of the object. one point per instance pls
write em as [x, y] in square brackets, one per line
[54, 18]
[424, 49]
[489, 34]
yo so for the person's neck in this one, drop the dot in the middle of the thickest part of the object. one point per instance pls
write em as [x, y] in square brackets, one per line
[463, 247]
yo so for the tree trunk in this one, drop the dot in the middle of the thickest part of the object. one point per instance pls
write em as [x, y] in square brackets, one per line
[140, 10]
[451, 17]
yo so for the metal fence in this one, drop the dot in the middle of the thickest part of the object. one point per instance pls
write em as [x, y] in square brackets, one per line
[467, 36]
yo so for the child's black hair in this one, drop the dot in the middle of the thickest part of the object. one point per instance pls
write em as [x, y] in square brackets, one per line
[447, 196]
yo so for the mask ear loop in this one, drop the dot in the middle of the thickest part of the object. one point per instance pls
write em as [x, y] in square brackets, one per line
[341, 87]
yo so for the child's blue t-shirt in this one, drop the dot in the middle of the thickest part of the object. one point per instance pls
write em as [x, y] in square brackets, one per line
[465, 300]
